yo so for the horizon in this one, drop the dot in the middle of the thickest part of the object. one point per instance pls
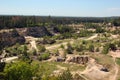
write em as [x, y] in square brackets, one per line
[68, 8]
[60, 16]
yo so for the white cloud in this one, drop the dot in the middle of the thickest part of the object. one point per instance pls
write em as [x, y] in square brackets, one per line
[113, 9]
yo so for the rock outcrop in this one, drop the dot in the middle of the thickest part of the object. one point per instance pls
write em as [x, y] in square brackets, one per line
[77, 59]
[34, 31]
[10, 38]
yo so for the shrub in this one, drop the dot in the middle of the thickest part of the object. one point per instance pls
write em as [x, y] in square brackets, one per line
[118, 61]
[112, 46]
[2, 65]
[63, 29]
[91, 48]
[33, 52]
[105, 48]
[97, 49]
[47, 40]
[44, 56]
[62, 46]
[41, 48]
[2, 76]
[100, 30]
[79, 47]
[69, 49]
[18, 71]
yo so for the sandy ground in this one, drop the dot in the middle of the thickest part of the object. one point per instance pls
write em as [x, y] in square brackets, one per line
[9, 59]
[116, 69]
[92, 37]
[33, 45]
[93, 71]
[115, 54]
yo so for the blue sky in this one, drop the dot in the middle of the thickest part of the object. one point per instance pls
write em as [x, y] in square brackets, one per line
[81, 8]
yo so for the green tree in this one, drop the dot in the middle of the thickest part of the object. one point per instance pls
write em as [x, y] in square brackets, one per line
[62, 46]
[106, 48]
[118, 43]
[33, 52]
[97, 49]
[69, 49]
[112, 46]
[22, 50]
[18, 71]
[79, 47]
[41, 48]
[91, 48]
[99, 30]
[44, 56]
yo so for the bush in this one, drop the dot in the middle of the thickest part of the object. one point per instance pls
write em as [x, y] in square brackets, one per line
[84, 33]
[91, 48]
[22, 49]
[63, 29]
[62, 46]
[112, 46]
[2, 76]
[33, 52]
[12, 51]
[41, 48]
[2, 65]
[47, 40]
[44, 56]
[118, 61]
[17, 50]
[118, 44]
[105, 48]
[79, 47]
[97, 50]
[69, 49]
[19, 71]
[100, 30]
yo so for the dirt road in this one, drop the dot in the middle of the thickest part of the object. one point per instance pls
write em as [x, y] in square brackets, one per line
[116, 69]
[71, 42]
[9, 59]
[58, 45]
[92, 37]
[33, 45]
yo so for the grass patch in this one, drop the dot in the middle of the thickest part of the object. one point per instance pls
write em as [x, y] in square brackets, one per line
[103, 59]
[72, 67]
[118, 61]
[49, 67]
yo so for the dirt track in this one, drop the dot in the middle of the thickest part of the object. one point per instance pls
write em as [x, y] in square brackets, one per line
[116, 70]
[71, 42]
[9, 59]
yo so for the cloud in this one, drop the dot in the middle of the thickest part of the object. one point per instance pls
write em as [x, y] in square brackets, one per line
[113, 9]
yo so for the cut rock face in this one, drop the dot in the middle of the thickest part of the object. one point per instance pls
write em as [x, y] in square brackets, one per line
[77, 59]
[34, 31]
[10, 38]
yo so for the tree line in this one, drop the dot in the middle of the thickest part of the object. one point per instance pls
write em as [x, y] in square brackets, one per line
[7, 22]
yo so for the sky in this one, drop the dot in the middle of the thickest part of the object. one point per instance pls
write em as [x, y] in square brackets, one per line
[77, 8]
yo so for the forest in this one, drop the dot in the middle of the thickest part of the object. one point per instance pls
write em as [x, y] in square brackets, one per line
[7, 22]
